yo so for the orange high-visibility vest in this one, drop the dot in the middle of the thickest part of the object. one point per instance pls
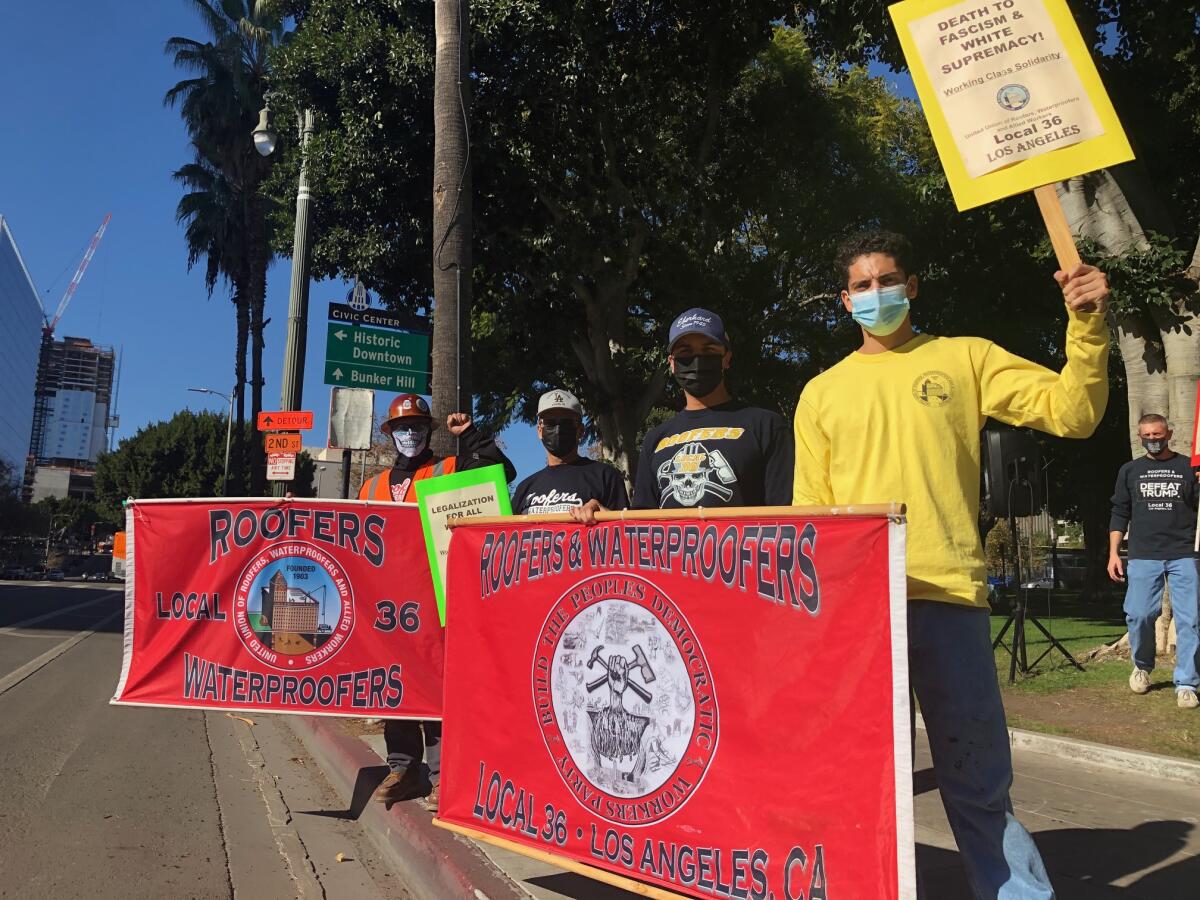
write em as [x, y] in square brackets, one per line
[380, 487]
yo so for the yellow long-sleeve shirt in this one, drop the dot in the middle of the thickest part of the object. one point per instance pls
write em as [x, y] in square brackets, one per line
[904, 425]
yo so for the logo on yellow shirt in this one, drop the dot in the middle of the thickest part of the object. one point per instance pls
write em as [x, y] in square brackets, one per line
[933, 389]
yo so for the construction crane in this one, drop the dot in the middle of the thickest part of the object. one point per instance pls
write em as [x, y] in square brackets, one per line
[50, 323]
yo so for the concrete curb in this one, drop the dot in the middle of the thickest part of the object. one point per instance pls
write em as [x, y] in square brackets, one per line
[435, 863]
[1136, 761]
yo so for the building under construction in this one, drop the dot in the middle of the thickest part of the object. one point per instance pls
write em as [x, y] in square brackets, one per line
[72, 404]
[72, 400]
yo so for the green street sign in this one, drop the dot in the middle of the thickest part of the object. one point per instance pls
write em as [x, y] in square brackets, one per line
[386, 360]
[377, 347]
[398, 381]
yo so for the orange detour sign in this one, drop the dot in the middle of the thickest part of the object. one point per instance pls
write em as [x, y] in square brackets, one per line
[283, 442]
[285, 421]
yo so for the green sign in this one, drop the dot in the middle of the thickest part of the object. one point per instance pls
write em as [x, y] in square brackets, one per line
[475, 492]
[397, 381]
[360, 357]
[377, 347]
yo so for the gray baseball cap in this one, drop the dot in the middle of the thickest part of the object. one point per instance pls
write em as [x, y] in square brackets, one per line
[559, 400]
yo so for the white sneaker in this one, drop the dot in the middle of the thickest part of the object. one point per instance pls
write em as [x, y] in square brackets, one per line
[1139, 681]
[1185, 698]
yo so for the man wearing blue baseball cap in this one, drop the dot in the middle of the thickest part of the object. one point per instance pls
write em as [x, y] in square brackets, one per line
[715, 451]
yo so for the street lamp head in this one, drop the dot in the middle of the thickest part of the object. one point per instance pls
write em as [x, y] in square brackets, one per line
[264, 137]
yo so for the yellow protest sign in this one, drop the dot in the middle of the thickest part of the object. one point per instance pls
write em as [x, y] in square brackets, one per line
[1011, 94]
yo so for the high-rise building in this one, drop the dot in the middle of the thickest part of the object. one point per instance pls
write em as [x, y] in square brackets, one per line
[20, 332]
[71, 404]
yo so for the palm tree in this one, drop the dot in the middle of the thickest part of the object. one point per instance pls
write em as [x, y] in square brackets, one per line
[209, 211]
[219, 105]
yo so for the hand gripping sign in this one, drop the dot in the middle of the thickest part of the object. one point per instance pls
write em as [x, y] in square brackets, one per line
[707, 703]
[298, 606]
[1013, 100]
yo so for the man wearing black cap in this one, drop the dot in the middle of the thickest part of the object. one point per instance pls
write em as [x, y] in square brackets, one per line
[569, 480]
[716, 451]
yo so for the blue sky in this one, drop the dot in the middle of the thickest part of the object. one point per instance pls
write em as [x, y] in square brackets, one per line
[85, 133]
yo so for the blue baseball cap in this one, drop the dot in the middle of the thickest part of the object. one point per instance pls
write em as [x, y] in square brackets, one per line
[697, 321]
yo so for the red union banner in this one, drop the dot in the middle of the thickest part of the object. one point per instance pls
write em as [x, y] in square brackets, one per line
[298, 606]
[718, 707]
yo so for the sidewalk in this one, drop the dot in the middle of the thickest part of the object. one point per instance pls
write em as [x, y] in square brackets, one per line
[1104, 832]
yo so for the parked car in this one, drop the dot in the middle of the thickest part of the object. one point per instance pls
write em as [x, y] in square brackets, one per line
[12, 574]
[55, 575]
[1039, 584]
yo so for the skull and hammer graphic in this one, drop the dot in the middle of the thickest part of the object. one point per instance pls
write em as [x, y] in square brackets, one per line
[617, 674]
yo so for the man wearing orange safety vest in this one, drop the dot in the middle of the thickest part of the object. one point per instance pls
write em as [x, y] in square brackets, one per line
[409, 424]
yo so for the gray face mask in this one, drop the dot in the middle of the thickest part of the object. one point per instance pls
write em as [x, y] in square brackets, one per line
[1154, 447]
[410, 443]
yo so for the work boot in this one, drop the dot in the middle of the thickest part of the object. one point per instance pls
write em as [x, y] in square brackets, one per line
[1185, 698]
[403, 785]
[431, 802]
[1139, 681]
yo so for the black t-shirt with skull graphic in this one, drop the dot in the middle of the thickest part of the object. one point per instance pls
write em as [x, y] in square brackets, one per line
[727, 455]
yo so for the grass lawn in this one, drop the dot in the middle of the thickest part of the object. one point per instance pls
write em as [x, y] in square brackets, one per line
[1096, 704]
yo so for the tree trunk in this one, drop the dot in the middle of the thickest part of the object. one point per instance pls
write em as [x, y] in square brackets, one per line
[451, 219]
[237, 453]
[1141, 346]
[1180, 332]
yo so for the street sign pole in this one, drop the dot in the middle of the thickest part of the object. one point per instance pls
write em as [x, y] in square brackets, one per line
[346, 474]
[297, 331]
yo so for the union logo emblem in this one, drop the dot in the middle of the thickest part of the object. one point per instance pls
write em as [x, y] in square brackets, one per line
[625, 699]
[293, 608]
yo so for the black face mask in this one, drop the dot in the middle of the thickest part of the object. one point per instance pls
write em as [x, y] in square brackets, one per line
[699, 375]
[560, 439]
[1155, 446]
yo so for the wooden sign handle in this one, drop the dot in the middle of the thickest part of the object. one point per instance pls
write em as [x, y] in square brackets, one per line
[1057, 226]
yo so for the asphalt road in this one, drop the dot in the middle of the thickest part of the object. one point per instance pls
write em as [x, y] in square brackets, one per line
[113, 801]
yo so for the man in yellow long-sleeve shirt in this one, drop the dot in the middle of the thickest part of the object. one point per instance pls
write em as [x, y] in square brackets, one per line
[899, 420]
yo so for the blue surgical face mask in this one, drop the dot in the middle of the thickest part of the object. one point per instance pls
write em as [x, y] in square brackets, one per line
[880, 312]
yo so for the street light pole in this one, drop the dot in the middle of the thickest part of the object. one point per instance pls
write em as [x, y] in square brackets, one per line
[228, 431]
[297, 332]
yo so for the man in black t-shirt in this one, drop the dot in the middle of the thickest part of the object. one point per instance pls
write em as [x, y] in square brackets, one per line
[716, 451]
[1155, 499]
[569, 480]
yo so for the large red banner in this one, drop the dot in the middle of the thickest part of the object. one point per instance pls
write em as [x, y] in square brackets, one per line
[715, 707]
[298, 606]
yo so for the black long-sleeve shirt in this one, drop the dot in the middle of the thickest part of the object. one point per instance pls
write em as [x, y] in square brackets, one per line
[1156, 500]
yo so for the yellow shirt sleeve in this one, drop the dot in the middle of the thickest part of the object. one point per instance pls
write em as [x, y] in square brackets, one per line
[810, 483]
[1069, 403]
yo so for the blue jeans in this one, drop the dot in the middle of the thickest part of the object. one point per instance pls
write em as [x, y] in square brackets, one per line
[953, 673]
[1143, 604]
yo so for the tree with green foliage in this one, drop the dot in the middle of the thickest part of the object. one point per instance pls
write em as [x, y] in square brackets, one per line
[182, 457]
[224, 210]
[629, 162]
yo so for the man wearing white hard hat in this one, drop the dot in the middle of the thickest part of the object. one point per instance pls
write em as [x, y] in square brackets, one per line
[568, 480]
